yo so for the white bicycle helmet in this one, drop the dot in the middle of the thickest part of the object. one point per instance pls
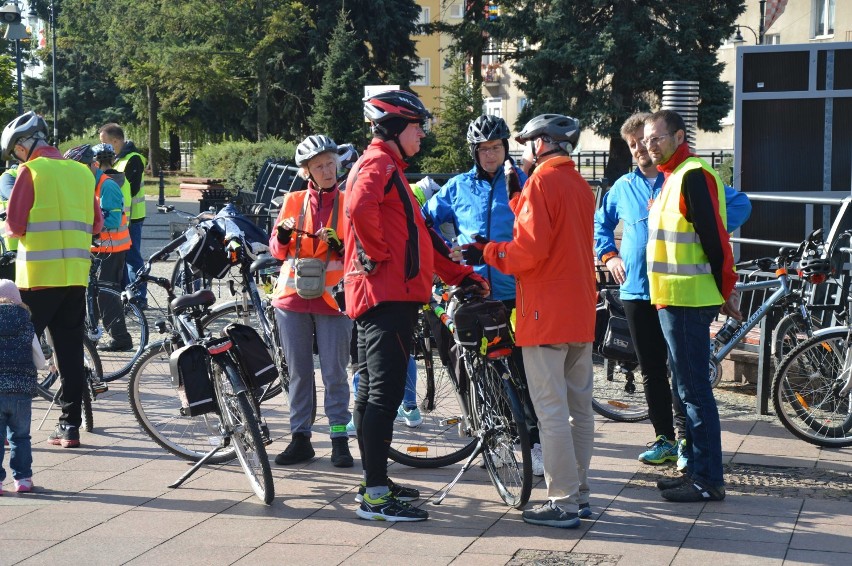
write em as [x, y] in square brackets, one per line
[313, 146]
[348, 156]
[28, 125]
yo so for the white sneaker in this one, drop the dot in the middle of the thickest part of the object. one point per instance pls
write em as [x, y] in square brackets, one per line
[537, 460]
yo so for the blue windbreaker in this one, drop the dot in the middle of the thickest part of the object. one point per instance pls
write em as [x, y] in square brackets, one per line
[476, 205]
[627, 201]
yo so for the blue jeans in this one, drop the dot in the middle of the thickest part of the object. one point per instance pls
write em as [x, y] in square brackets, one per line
[409, 399]
[687, 332]
[133, 260]
[15, 417]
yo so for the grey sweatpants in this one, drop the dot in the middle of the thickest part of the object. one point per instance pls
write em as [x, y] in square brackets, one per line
[333, 332]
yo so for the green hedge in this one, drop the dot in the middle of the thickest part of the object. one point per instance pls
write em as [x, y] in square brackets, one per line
[239, 162]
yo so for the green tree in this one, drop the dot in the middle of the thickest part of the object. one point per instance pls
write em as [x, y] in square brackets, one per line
[461, 104]
[8, 93]
[338, 110]
[602, 60]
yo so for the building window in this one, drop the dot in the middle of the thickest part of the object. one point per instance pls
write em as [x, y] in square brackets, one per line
[522, 103]
[425, 17]
[823, 13]
[422, 72]
[772, 39]
[494, 106]
[456, 11]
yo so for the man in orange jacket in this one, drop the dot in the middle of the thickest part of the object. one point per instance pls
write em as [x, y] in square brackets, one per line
[550, 255]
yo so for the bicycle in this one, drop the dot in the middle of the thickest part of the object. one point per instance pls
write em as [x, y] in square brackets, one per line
[235, 427]
[620, 397]
[491, 414]
[812, 387]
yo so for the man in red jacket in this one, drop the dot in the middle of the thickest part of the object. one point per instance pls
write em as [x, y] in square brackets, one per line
[550, 255]
[391, 257]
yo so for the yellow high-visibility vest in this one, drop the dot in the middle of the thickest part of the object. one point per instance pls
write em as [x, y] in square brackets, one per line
[678, 268]
[54, 251]
[137, 203]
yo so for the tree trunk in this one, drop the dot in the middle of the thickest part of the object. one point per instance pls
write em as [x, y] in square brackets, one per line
[153, 131]
[262, 102]
[619, 160]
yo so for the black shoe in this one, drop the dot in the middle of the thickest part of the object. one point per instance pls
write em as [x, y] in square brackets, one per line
[389, 508]
[671, 483]
[340, 455]
[399, 492]
[299, 450]
[693, 491]
[115, 346]
[65, 435]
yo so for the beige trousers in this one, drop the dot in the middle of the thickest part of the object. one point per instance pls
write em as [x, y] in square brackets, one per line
[560, 380]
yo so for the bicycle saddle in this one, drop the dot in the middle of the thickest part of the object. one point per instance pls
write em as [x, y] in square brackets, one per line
[204, 297]
[265, 262]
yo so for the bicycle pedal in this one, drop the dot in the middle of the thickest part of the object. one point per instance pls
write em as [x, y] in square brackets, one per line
[99, 388]
[452, 421]
[264, 434]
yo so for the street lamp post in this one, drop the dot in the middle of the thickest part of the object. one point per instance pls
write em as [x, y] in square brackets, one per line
[738, 37]
[53, 68]
[15, 31]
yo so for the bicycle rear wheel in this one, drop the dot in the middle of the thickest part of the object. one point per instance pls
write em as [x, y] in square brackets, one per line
[444, 436]
[806, 390]
[618, 395]
[507, 443]
[156, 406]
[48, 386]
[118, 364]
[241, 422]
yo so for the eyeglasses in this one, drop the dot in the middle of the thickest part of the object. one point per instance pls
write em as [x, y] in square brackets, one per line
[489, 150]
[648, 142]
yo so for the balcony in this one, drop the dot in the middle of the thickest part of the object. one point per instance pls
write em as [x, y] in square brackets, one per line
[491, 75]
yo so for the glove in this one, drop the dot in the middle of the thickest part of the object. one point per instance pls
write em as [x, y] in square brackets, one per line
[368, 264]
[472, 253]
[334, 240]
[476, 283]
[284, 230]
[513, 184]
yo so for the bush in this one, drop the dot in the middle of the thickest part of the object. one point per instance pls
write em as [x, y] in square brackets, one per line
[239, 162]
[74, 142]
[726, 170]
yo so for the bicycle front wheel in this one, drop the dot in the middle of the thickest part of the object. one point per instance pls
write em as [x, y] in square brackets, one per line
[507, 442]
[618, 395]
[118, 364]
[156, 406]
[242, 423]
[806, 390]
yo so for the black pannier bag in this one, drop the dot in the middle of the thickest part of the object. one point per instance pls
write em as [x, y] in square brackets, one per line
[205, 251]
[190, 367]
[252, 355]
[616, 343]
[483, 326]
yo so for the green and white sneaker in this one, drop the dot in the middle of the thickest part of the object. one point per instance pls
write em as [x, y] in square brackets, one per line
[400, 492]
[659, 452]
[411, 418]
[389, 508]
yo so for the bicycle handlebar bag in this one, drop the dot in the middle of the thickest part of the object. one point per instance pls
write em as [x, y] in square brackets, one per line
[252, 355]
[205, 251]
[617, 343]
[483, 326]
[190, 370]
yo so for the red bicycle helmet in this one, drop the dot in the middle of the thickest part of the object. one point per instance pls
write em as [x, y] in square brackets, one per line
[395, 104]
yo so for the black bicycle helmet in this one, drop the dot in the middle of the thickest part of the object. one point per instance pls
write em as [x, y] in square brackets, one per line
[395, 104]
[82, 153]
[814, 268]
[487, 128]
[555, 128]
[313, 146]
[28, 125]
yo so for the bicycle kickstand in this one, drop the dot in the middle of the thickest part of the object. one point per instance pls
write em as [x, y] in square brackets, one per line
[47, 412]
[196, 467]
[480, 448]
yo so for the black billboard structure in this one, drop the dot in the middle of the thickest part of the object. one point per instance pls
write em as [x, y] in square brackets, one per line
[793, 139]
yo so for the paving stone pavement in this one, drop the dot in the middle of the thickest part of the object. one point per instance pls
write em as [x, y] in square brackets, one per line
[107, 502]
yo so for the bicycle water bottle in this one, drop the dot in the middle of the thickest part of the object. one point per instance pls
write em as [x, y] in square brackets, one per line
[728, 329]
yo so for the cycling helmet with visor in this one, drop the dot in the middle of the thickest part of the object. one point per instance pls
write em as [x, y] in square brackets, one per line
[313, 146]
[558, 129]
[487, 128]
[81, 153]
[391, 111]
[28, 125]
[348, 155]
